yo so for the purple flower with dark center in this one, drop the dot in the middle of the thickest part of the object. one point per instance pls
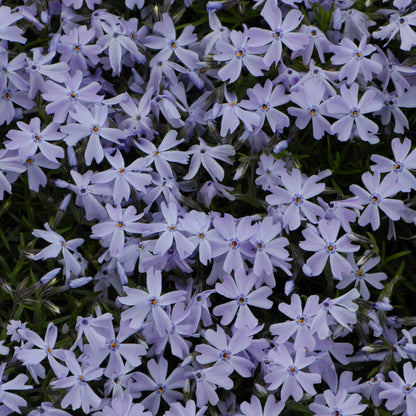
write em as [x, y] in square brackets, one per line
[309, 97]
[229, 238]
[359, 276]
[31, 138]
[203, 154]
[238, 54]
[117, 41]
[353, 60]
[207, 380]
[10, 95]
[122, 178]
[263, 101]
[288, 374]
[342, 210]
[242, 295]
[168, 43]
[399, 391]
[254, 408]
[8, 30]
[377, 196]
[123, 406]
[92, 124]
[47, 409]
[326, 244]
[45, 349]
[281, 32]
[151, 302]
[10, 71]
[268, 248]
[74, 48]
[339, 404]
[299, 327]
[59, 245]
[342, 309]
[177, 409]
[160, 385]
[399, 167]
[162, 155]
[350, 112]
[66, 99]
[80, 393]
[269, 170]
[399, 24]
[225, 351]
[295, 194]
[220, 34]
[120, 221]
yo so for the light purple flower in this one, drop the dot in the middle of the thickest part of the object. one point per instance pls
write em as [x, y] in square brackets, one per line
[326, 244]
[377, 196]
[80, 393]
[254, 408]
[340, 403]
[281, 32]
[288, 374]
[296, 193]
[242, 295]
[350, 112]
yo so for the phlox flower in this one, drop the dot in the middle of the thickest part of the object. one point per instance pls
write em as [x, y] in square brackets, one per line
[96, 330]
[80, 393]
[309, 97]
[377, 197]
[350, 112]
[342, 309]
[45, 349]
[299, 326]
[177, 409]
[359, 276]
[163, 154]
[65, 99]
[168, 43]
[207, 380]
[219, 34]
[77, 4]
[340, 403]
[404, 159]
[161, 385]
[240, 52]
[295, 192]
[11, 400]
[151, 302]
[117, 42]
[269, 171]
[242, 295]
[342, 210]
[399, 24]
[8, 96]
[353, 60]
[281, 32]
[326, 244]
[287, 373]
[268, 249]
[203, 154]
[30, 139]
[92, 124]
[74, 49]
[47, 409]
[40, 66]
[254, 408]
[171, 230]
[8, 30]
[11, 165]
[399, 392]
[122, 178]
[120, 221]
[59, 245]
[10, 74]
[263, 101]
[225, 351]
[123, 407]
[232, 112]
[356, 22]
[228, 239]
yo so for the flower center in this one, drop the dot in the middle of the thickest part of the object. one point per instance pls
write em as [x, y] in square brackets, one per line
[375, 199]
[202, 235]
[234, 244]
[225, 355]
[173, 45]
[292, 370]
[29, 160]
[49, 350]
[155, 152]
[95, 129]
[121, 170]
[77, 48]
[120, 224]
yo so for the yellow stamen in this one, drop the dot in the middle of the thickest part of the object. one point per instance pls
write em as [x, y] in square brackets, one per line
[120, 224]
[95, 129]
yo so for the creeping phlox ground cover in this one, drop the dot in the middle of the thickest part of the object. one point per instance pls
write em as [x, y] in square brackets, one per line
[207, 208]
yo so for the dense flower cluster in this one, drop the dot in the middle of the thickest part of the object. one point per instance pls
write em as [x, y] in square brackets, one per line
[154, 127]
